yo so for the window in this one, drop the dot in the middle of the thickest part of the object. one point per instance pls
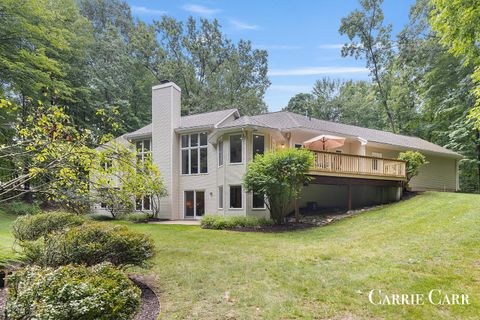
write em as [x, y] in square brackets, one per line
[236, 148]
[220, 153]
[258, 144]
[236, 197]
[258, 200]
[143, 204]
[220, 197]
[144, 150]
[194, 155]
[194, 204]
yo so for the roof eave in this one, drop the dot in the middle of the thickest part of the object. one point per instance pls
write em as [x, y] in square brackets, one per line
[138, 135]
[194, 128]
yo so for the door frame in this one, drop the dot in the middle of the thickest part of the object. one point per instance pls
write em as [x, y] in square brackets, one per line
[195, 217]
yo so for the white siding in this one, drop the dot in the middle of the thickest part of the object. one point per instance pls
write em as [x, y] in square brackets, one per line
[439, 174]
[165, 118]
[200, 182]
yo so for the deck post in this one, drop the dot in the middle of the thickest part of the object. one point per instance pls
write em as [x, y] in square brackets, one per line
[349, 205]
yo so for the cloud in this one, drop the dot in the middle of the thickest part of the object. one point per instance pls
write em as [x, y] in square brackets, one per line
[238, 25]
[200, 10]
[147, 11]
[276, 47]
[330, 46]
[308, 71]
[290, 88]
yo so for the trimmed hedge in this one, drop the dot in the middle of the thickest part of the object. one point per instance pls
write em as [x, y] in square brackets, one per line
[90, 244]
[100, 217]
[33, 227]
[232, 222]
[138, 217]
[71, 293]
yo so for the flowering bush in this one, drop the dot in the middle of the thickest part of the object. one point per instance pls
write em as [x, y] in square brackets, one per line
[71, 292]
[91, 244]
[33, 227]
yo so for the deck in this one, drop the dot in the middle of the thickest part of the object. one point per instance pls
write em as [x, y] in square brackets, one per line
[356, 166]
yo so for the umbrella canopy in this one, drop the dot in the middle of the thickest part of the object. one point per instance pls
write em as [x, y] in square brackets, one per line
[324, 142]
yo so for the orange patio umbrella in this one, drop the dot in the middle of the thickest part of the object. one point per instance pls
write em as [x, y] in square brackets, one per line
[324, 142]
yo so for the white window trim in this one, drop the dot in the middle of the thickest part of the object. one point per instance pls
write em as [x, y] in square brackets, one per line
[189, 148]
[194, 203]
[142, 152]
[218, 153]
[223, 198]
[230, 200]
[143, 205]
[264, 143]
[243, 144]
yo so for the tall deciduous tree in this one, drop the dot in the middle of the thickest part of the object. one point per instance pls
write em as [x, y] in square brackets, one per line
[346, 102]
[213, 72]
[370, 39]
[457, 23]
[440, 86]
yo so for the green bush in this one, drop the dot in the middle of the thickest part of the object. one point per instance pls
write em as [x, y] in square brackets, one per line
[20, 208]
[100, 217]
[135, 217]
[70, 293]
[91, 244]
[222, 222]
[414, 160]
[33, 227]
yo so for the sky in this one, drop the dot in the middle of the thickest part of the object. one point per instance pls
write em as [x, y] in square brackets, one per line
[301, 37]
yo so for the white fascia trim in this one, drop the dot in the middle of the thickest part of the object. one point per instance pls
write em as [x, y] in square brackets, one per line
[226, 117]
[193, 129]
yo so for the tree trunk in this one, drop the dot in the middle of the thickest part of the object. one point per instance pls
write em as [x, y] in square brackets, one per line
[297, 211]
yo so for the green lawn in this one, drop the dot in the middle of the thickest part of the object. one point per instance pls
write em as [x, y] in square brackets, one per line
[429, 242]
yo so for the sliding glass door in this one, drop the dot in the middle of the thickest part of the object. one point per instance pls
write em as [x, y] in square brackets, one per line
[194, 203]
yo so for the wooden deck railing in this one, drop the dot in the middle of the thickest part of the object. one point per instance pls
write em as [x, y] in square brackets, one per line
[353, 165]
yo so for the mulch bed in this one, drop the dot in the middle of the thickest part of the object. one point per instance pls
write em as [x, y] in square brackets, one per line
[150, 306]
[319, 219]
[3, 297]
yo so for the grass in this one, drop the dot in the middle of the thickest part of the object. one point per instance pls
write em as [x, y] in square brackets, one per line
[429, 242]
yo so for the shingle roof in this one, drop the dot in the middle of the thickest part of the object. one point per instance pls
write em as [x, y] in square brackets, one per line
[141, 132]
[285, 120]
[191, 121]
[205, 119]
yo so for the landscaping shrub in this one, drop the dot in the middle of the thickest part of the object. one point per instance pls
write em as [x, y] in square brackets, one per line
[70, 293]
[222, 222]
[21, 208]
[91, 244]
[32, 227]
[100, 217]
[135, 217]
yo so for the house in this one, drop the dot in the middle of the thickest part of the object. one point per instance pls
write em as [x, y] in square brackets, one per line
[203, 158]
